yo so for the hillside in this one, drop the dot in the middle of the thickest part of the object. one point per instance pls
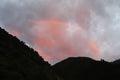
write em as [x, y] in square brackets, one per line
[19, 62]
[83, 68]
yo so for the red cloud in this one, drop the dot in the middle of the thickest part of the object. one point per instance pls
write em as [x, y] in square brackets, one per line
[15, 32]
[52, 42]
[93, 47]
[50, 36]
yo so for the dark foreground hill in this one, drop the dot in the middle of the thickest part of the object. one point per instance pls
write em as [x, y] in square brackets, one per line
[83, 68]
[19, 62]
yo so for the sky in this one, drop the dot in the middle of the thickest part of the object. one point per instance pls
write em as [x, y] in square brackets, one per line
[59, 29]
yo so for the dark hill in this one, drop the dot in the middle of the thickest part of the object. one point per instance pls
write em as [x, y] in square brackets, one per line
[19, 62]
[117, 62]
[82, 68]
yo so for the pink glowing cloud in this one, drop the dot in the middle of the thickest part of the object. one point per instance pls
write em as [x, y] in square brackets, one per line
[15, 33]
[54, 39]
[58, 29]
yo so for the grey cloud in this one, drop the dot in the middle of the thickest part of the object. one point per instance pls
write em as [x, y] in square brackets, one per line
[98, 19]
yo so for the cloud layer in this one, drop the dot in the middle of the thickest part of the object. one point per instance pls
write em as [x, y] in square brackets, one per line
[58, 29]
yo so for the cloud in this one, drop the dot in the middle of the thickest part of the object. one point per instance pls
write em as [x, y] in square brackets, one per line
[15, 33]
[58, 29]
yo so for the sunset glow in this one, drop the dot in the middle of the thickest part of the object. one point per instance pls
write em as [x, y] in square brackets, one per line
[59, 29]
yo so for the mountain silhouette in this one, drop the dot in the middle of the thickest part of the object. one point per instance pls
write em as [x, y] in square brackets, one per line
[83, 68]
[19, 62]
